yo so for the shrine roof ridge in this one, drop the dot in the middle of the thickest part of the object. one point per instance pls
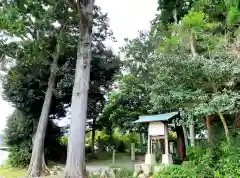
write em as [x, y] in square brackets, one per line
[159, 117]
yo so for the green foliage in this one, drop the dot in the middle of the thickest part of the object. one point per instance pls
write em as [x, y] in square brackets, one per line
[172, 136]
[195, 153]
[18, 138]
[229, 162]
[18, 135]
[206, 162]
[193, 20]
[166, 7]
[33, 51]
[233, 17]
[20, 155]
[63, 140]
[162, 74]
[125, 105]
[118, 140]
[202, 84]
[191, 169]
[130, 137]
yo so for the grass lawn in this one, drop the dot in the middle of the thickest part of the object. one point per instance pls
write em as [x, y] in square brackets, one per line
[105, 159]
[8, 172]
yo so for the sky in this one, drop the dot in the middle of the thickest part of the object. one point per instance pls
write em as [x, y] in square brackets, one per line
[127, 17]
[5, 110]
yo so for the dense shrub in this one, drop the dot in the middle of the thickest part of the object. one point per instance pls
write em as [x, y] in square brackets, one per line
[194, 153]
[19, 155]
[188, 169]
[18, 135]
[18, 138]
[117, 140]
[220, 162]
[107, 142]
[229, 163]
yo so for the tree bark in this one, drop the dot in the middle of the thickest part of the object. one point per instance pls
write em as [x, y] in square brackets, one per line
[193, 44]
[75, 166]
[224, 125]
[37, 165]
[45, 170]
[209, 130]
[185, 135]
[174, 14]
[180, 142]
[93, 135]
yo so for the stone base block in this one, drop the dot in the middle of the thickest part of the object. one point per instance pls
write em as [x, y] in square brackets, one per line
[146, 168]
[150, 159]
[167, 159]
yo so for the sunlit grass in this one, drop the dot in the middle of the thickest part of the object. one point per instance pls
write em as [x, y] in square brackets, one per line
[8, 172]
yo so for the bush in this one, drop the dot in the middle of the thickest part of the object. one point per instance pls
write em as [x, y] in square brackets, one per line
[171, 172]
[188, 169]
[19, 156]
[228, 165]
[194, 153]
[119, 141]
[18, 139]
[63, 140]
[18, 135]
[220, 162]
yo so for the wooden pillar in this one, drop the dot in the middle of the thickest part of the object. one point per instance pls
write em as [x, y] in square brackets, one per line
[166, 138]
[180, 142]
[185, 134]
[162, 146]
[209, 120]
[149, 144]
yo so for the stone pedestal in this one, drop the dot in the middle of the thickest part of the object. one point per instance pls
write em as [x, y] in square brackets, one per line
[150, 159]
[146, 168]
[167, 159]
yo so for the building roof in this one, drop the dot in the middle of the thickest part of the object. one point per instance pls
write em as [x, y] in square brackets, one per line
[155, 118]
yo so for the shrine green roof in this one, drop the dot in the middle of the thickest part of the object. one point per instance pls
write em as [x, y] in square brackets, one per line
[155, 118]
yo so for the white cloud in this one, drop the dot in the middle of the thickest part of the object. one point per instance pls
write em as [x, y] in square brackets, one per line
[6, 110]
[127, 17]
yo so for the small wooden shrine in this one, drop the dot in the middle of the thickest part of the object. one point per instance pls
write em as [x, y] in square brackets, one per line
[158, 130]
